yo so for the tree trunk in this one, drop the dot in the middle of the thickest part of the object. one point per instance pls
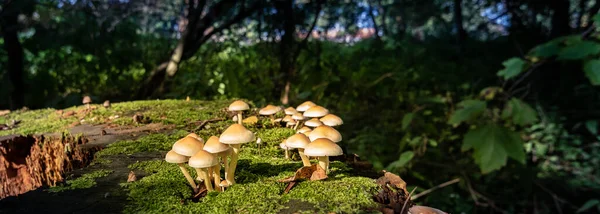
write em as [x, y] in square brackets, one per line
[560, 18]
[461, 34]
[13, 48]
[372, 15]
[582, 10]
[383, 17]
[286, 49]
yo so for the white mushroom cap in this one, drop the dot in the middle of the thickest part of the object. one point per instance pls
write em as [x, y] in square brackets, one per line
[203, 159]
[313, 122]
[238, 105]
[316, 111]
[173, 157]
[236, 134]
[298, 116]
[282, 145]
[322, 147]
[325, 132]
[305, 106]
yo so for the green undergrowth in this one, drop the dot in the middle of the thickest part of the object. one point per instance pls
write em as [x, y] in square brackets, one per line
[177, 112]
[85, 181]
[149, 143]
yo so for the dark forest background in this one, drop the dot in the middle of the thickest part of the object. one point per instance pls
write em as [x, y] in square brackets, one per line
[500, 93]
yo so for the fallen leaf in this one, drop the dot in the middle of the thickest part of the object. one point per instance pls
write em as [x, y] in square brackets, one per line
[69, 113]
[131, 177]
[318, 174]
[393, 180]
[250, 120]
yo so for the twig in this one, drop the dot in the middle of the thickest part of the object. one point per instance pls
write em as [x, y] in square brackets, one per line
[442, 185]
[407, 198]
[203, 123]
[555, 197]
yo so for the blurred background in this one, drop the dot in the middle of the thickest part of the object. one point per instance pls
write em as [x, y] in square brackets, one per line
[499, 93]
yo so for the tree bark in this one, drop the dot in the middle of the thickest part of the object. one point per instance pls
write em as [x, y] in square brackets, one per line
[372, 15]
[286, 48]
[461, 34]
[13, 48]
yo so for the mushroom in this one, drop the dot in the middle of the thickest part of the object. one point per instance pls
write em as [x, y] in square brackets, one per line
[286, 118]
[331, 120]
[307, 133]
[298, 117]
[315, 111]
[322, 148]
[270, 110]
[284, 147]
[188, 146]
[291, 123]
[239, 106]
[87, 100]
[106, 104]
[173, 157]
[204, 160]
[235, 135]
[303, 129]
[313, 123]
[424, 210]
[299, 141]
[290, 111]
[223, 185]
[219, 149]
[305, 106]
[325, 132]
[195, 136]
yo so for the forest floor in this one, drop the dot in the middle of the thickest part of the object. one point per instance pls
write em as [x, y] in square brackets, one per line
[135, 136]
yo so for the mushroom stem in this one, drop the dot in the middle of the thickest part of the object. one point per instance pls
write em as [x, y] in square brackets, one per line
[207, 182]
[188, 177]
[324, 163]
[87, 106]
[199, 175]
[239, 117]
[225, 164]
[210, 174]
[297, 124]
[287, 153]
[273, 119]
[233, 163]
[217, 175]
[305, 159]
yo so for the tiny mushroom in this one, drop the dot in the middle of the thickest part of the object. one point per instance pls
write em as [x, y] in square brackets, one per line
[303, 129]
[325, 132]
[218, 149]
[173, 157]
[299, 141]
[331, 120]
[291, 123]
[287, 149]
[87, 100]
[298, 117]
[239, 106]
[313, 123]
[106, 104]
[290, 111]
[235, 135]
[204, 160]
[305, 106]
[322, 148]
[270, 110]
[188, 146]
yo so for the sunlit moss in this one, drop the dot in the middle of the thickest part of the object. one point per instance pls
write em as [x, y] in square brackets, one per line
[149, 143]
[85, 181]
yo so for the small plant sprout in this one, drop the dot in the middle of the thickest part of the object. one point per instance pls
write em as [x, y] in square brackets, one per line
[313, 123]
[221, 150]
[325, 132]
[188, 146]
[203, 161]
[87, 100]
[106, 104]
[303, 129]
[299, 141]
[239, 107]
[331, 120]
[258, 142]
[322, 148]
[298, 117]
[235, 135]
[285, 148]
[305, 106]
[270, 110]
[173, 157]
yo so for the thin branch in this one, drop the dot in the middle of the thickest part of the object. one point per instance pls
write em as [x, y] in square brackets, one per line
[407, 198]
[442, 185]
[312, 27]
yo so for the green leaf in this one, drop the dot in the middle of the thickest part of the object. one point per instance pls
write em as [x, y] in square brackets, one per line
[589, 204]
[405, 157]
[492, 145]
[406, 120]
[519, 112]
[579, 50]
[592, 126]
[545, 50]
[512, 68]
[469, 109]
[592, 71]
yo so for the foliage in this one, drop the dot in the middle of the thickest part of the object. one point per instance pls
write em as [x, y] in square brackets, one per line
[87, 180]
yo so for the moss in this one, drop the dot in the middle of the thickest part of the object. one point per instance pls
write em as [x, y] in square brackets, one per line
[149, 143]
[85, 181]
[257, 191]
